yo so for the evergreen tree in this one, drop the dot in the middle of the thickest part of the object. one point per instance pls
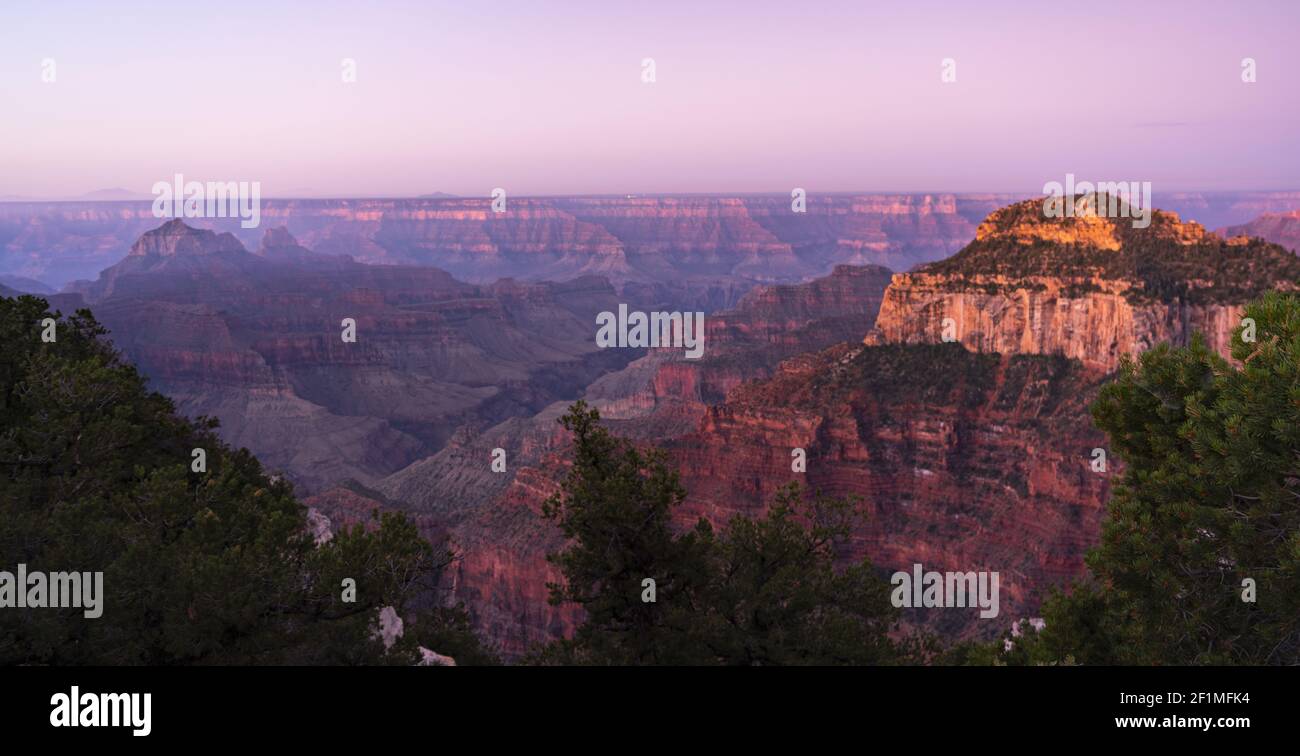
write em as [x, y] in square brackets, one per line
[616, 508]
[776, 596]
[765, 591]
[1199, 560]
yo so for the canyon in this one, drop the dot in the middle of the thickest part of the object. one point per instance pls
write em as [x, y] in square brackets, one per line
[718, 242]
[968, 453]
[256, 341]
[975, 455]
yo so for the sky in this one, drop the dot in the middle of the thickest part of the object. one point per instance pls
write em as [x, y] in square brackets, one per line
[548, 97]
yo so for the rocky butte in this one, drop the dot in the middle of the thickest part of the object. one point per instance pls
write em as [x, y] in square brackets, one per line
[1090, 288]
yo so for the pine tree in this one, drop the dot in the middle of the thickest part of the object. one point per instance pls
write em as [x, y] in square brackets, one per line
[766, 591]
[616, 508]
[1199, 560]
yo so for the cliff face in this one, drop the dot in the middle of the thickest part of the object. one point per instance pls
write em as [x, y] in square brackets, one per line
[963, 461]
[1044, 316]
[1089, 288]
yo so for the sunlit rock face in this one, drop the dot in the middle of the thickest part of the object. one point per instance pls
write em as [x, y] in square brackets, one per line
[1090, 288]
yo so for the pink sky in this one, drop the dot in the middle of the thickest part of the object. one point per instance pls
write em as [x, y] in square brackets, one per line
[547, 97]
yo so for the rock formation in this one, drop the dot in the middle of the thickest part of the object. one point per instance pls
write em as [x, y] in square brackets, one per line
[1090, 288]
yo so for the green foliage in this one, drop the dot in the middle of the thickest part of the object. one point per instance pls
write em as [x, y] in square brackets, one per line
[775, 596]
[211, 567]
[1210, 498]
[616, 509]
[1077, 629]
[763, 592]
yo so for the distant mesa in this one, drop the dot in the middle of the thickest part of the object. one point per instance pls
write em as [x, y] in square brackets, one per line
[438, 195]
[115, 194]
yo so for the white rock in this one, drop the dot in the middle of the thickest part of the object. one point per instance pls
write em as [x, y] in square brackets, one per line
[319, 526]
[433, 659]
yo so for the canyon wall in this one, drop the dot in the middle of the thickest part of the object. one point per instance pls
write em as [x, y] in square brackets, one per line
[961, 461]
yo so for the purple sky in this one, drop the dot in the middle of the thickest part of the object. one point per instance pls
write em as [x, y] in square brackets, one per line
[547, 98]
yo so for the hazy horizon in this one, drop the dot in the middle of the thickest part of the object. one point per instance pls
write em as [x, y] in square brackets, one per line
[547, 99]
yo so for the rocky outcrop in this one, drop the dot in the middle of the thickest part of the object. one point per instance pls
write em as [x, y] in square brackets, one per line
[1045, 316]
[429, 658]
[1090, 288]
[280, 245]
[175, 239]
